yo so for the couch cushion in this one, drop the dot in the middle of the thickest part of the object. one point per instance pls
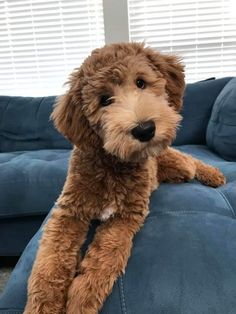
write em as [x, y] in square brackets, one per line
[25, 124]
[180, 263]
[221, 130]
[195, 197]
[198, 102]
[184, 257]
[31, 181]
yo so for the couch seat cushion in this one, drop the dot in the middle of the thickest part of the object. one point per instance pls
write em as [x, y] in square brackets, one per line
[193, 196]
[184, 257]
[31, 181]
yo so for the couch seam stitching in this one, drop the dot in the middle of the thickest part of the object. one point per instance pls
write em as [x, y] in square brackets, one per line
[122, 296]
[11, 311]
[184, 212]
[32, 181]
[227, 202]
[25, 214]
[220, 122]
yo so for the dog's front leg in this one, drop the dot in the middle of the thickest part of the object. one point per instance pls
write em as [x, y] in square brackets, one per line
[175, 166]
[105, 260]
[55, 263]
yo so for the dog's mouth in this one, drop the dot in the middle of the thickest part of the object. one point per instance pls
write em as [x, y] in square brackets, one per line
[151, 148]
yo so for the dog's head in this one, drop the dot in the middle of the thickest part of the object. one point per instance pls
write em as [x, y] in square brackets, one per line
[124, 97]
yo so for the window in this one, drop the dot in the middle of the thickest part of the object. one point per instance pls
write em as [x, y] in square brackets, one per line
[203, 32]
[41, 41]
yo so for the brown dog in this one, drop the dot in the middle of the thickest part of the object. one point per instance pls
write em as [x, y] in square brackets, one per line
[121, 114]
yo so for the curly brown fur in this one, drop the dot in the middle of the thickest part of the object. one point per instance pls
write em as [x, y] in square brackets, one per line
[111, 173]
[174, 166]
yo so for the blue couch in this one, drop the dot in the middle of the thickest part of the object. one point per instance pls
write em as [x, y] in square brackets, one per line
[184, 258]
[33, 166]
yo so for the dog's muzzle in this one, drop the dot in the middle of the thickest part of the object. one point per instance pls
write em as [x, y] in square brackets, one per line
[144, 131]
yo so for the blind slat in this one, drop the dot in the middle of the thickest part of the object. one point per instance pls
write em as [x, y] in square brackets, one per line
[202, 32]
[42, 41]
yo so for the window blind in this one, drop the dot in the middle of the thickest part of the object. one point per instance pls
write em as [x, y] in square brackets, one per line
[202, 32]
[41, 41]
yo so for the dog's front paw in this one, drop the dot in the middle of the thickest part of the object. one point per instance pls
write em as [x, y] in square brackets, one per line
[210, 176]
[215, 178]
[80, 298]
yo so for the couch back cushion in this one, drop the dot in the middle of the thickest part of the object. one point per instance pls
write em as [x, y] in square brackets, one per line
[25, 124]
[221, 130]
[199, 99]
[25, 121]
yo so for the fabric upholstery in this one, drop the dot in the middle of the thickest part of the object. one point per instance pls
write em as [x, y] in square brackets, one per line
[31, 181]
[221, 131]
[16, 232]
[199, 99]
[25, 124]
[33, 166]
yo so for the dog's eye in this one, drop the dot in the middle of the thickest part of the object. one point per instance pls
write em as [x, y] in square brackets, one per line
[106, 100]
[140, 83]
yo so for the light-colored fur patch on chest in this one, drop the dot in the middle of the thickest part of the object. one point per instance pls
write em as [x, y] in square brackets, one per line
[107, 213]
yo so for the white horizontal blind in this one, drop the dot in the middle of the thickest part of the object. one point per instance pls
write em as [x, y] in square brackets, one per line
[41, 41]
[203, 32]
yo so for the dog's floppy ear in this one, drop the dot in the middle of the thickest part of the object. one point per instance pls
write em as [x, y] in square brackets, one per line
[68, 115]
[173, 71]
[64, 111]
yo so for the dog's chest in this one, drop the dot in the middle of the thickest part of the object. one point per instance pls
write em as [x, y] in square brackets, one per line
[107, 212]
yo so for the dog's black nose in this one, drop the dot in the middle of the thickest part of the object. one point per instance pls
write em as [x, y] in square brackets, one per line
[144, 131]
